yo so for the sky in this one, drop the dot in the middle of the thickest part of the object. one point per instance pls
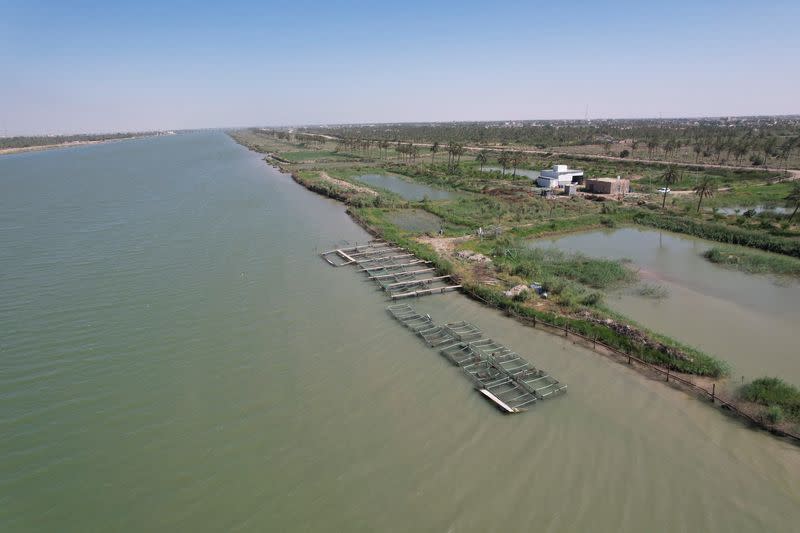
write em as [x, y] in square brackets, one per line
[73, 67]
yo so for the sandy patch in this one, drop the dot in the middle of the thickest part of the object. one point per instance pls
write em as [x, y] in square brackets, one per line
[443, 245]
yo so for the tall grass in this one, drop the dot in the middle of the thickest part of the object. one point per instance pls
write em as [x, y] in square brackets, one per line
[774, 392]
[536, 263]
[697, 363]
[753, 262]
[720, 233]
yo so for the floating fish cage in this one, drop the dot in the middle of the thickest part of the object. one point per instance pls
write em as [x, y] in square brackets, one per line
[500, 374]
[396, 271]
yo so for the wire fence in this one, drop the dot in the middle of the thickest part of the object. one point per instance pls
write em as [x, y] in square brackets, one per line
[605, 349]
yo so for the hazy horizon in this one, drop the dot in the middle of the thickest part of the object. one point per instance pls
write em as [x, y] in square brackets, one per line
[88, 67]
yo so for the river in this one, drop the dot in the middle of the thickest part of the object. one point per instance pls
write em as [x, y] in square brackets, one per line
[175, 356]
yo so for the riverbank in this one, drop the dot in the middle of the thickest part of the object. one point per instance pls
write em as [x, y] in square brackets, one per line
[587, 319]
[69, 144]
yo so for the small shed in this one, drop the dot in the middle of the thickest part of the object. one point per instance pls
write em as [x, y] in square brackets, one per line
[608, 186]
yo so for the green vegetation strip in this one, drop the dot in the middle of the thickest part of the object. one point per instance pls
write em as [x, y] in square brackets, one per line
[654, 348]
[720, 233]
[568, 278]
[695, 363]
[754, 262]
[781, 398]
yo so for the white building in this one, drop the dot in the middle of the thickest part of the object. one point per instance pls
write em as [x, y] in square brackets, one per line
[558, 176]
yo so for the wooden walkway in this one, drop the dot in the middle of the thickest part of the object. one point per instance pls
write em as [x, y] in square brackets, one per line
[499, 374]
[396, 271]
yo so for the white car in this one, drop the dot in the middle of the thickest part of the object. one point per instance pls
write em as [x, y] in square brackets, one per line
[664, 190]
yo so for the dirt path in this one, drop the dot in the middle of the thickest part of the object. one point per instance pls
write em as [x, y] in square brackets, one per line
[443, 245]
[346, 184]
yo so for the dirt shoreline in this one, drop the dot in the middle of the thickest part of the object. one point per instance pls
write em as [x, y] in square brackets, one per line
[41, 148]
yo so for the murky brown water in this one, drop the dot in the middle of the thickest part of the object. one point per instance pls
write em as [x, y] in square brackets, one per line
[748, 320]
[176, 357]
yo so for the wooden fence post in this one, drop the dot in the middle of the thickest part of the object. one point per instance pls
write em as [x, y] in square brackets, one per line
[629, 358]
[713, 391]
[565, 330]
[534, 320]
[667, 374]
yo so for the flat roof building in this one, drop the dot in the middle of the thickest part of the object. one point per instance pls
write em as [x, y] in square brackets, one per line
[559, 176]
[608, 186]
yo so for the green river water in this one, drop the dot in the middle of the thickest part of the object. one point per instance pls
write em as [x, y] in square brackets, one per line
[174, 356]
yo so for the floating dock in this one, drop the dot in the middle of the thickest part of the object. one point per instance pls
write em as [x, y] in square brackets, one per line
[499, 374]
[396, 271]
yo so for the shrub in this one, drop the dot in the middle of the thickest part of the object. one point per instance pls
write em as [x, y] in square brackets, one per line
[774, 392]
[774, 414]
[653, 290]
[522, 296]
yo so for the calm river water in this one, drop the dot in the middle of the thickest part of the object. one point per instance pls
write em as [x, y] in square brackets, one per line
[175, 357]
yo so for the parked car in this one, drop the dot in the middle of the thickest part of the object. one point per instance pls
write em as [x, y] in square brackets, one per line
[664, 190]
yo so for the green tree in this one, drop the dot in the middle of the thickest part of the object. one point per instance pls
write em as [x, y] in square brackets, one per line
[517, 158]
[460, 150]
[769, 148]
[652, 145]
[704, 189]
[504, 159]
[697, 148]
[482, 157]
[670, 177]
[434, 148]
[793, 198]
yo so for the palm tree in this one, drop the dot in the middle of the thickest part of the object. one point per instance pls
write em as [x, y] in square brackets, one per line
[670, 177]
[482, 157]
[704, 189]
[769, 148]
[460, 150]
[414, 153]
[652, 145]
[434, 148]
[698, 149]
[516, 160]
[504, 159]
[794, 198]
[451, 153]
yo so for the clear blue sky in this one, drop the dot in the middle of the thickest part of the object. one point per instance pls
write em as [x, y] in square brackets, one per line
[109, 66]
